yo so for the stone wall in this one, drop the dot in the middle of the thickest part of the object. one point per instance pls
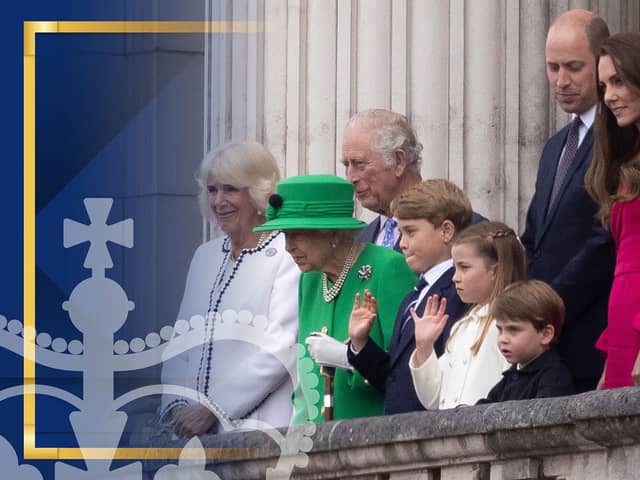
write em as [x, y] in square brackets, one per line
[595, 435]
[469, 74]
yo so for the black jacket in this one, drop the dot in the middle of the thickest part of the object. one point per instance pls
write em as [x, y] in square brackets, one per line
[546, 376]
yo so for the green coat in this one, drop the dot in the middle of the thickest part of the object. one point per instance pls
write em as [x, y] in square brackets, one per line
[390, 280]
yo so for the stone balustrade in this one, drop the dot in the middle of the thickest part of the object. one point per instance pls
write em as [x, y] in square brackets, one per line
[595, 435]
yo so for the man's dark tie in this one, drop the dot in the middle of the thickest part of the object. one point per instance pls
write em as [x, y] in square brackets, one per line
[412, 301]
[570, 149]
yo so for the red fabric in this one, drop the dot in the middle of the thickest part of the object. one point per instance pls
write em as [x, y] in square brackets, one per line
[603, 342]
[621, 339]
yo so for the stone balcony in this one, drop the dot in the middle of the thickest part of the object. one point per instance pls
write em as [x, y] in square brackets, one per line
[595, 435]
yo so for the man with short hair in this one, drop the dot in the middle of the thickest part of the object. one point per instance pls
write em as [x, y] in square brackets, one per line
[566, 245]
[381, 156]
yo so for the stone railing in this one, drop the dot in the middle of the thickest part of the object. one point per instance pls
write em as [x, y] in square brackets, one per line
[594, 435]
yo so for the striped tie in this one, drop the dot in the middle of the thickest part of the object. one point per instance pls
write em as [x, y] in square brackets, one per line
[413, 301]
[570, 149]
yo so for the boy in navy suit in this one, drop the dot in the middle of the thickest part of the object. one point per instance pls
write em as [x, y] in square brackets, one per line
[429, 215]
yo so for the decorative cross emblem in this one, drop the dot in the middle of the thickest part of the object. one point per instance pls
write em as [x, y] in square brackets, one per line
[98, 233]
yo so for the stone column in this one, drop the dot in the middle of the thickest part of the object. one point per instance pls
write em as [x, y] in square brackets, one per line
[470, 74]
[429, 84]
[320, 135]
[373, 53]
[483, 177]
[533, 98]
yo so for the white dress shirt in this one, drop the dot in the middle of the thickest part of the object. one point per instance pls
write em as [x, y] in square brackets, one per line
[432, 275]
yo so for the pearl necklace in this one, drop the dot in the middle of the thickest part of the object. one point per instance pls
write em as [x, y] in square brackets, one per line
[263, 238]
[330, 294]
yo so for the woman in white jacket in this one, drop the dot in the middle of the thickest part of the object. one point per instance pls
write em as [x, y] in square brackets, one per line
[244, 285]
[487, 257]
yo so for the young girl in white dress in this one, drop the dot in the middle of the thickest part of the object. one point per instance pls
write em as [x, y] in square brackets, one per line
[487, 257]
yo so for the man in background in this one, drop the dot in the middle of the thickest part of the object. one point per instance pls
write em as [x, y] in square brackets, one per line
[566, 245]
[381, 156]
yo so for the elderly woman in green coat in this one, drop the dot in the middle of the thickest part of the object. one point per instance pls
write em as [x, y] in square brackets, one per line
[316, 214]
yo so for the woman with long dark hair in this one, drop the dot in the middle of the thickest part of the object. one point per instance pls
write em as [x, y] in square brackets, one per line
[613, 180]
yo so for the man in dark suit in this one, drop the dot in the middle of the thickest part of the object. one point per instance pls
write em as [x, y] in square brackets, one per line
[566, 246]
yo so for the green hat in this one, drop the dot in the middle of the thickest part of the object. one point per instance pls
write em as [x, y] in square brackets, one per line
[311, 202]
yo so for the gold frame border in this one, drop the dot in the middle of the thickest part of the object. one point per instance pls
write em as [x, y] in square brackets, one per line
[32, 452]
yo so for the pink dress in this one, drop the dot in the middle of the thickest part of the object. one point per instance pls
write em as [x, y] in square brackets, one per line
[621, 339]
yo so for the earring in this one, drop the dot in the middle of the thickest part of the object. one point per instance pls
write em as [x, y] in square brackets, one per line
[334, 244]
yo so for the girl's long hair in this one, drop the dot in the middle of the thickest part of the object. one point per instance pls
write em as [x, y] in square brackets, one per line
[498, 245]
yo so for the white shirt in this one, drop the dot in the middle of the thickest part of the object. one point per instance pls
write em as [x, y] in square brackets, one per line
[587, 118]
[432, 276]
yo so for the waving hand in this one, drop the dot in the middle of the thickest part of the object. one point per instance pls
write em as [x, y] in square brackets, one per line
[362, 318]
[429, 327]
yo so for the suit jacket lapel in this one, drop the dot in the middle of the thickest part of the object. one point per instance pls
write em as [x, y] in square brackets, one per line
[404, 338]
[397, 326]
[580, 158]
[546, 179]
[369, 233]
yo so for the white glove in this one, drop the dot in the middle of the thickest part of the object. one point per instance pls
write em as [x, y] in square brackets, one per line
[327, 351]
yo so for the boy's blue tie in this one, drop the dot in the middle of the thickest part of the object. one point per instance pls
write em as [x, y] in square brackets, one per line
[413, 301]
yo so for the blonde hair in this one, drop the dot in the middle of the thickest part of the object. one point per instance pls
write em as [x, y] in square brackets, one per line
[532, 301]
[241, 164]
[499, 246]
[434, 200]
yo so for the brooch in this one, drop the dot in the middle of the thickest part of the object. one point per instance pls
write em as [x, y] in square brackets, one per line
[271, 252]
[364, 272]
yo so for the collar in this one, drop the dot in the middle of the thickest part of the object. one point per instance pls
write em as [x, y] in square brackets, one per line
[434, 273]
[480, 310]
[383, 220]
[587, 117]
[545, 359]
